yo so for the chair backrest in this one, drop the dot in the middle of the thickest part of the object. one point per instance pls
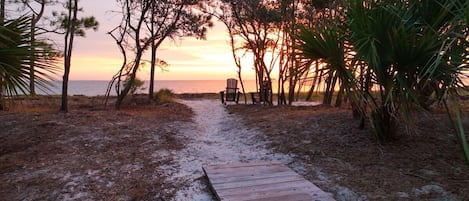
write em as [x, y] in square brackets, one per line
[231, 85]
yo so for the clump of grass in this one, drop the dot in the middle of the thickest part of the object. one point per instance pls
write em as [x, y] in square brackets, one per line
[164, 96]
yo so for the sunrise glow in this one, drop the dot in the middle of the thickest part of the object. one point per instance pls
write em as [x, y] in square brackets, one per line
[96, 57]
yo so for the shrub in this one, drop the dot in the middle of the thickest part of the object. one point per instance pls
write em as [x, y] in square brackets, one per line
[137, 84]
[164, 96]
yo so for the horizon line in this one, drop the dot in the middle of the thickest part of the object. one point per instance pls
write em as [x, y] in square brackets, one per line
[162, 80]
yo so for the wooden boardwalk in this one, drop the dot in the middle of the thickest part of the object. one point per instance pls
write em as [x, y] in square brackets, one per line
[261, 181]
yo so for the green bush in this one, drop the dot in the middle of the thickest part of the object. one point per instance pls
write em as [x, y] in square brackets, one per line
[164, 96]
[137, 84]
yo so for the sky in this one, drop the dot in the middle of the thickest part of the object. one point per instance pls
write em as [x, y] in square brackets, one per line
[97, 57]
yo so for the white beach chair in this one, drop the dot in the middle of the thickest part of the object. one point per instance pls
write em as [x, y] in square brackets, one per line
[231, 92]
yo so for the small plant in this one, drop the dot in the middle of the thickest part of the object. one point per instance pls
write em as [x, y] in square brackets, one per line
[164, 96]
[137, 84]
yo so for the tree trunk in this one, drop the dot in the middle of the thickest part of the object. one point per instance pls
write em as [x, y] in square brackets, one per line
[309, 97]
[332, 90]
[291, 90]
[32, 88]
[133, 75]
[294, 65]
[2, 12]
[152, 71]
[284, 55]
[64, 105]
[2, 19]
[241, 82]
[313, 85]
[153, 54]
[34, 21]
[280, 90]
[338, 101]
[294, 78]
[69, 36]
[328, 82]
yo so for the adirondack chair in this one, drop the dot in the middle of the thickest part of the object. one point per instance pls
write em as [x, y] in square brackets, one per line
[231, 92]
[264, 94]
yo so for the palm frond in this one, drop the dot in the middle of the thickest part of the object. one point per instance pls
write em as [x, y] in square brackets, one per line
[17, 52]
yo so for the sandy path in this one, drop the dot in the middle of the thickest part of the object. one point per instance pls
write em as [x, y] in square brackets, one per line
[216, 137]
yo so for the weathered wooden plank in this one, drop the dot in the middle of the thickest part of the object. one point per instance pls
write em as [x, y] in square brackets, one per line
[244, 171]
[245, 174]
[287, 192]
[240, 165]
[270, 187]
[258, 182]
[261, 181]
[290, 197]
[229, 179]
[297, 197]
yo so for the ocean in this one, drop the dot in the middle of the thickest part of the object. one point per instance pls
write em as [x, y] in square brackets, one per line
[98, 87]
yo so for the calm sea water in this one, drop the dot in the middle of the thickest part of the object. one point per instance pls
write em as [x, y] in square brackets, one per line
[94, 87]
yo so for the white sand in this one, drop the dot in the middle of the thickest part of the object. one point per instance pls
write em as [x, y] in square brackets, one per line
[217, 137]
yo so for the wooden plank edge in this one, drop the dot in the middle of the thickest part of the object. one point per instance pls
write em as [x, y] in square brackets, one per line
[230, 179]
[239, 165]
[257, 183]
[297, 186]
[212, 188]
[259, 170]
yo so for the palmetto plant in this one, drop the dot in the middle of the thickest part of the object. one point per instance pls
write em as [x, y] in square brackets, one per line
[414, 53]
[16, 54]
[455, 57]
[397, 44]
[392, 42]
[327, 44]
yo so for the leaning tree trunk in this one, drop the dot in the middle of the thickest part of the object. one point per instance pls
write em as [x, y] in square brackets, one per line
[313, 85]
[242, 83]
[133, 75]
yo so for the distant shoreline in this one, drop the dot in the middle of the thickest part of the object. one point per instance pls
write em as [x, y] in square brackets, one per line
[99, 87]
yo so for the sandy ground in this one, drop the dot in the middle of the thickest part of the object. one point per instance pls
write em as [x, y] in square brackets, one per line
[216, 137]
[425, 162]
[137, 153]
[90, 153]
[156, 152]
